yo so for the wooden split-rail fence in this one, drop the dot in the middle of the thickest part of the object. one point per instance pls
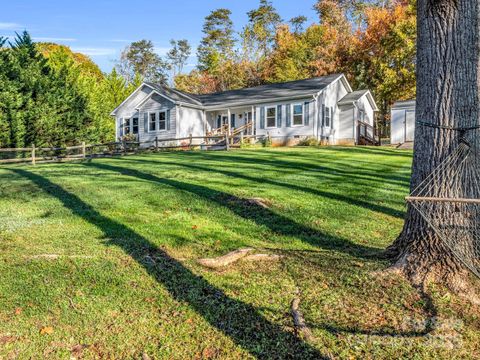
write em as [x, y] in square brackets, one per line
[35, 154]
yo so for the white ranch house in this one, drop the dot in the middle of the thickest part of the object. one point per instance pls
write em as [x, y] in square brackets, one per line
[324, 108]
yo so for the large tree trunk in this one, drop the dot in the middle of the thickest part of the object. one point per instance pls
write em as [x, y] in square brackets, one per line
[447, 94]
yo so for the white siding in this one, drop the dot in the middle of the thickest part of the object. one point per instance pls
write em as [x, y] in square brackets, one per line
[128, 110]
[284, 132]
[331, 96]
[155, 104]
[190, 122]
[402, 124]
[346, 124]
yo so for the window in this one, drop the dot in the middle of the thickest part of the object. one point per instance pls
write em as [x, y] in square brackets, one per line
[361, 116]
[135, 125]
[152, 122]
[327, 116]
[297, 114]
[271, 117]
[126, 127]
[232, 121]
[162, 120]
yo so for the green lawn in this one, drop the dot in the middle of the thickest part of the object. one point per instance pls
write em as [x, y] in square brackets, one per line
[98, 259]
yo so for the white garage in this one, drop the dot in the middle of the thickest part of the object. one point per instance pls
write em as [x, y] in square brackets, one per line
[402, 122]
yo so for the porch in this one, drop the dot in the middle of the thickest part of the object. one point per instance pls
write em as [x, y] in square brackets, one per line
[234, 122]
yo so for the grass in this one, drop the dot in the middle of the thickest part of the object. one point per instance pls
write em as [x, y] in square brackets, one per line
[98, 259]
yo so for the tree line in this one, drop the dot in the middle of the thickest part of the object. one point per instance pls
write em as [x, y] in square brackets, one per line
[51, 96]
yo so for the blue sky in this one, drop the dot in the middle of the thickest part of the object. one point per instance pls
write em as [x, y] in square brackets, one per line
[102, 28]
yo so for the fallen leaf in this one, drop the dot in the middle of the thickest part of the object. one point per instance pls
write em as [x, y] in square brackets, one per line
[18, 311]
[78, 349]
[6, 339]
[208, 353]
[194, 227]
[47, 330]
[145, 356]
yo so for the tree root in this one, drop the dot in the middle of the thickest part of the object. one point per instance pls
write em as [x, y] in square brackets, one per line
[263, 257]
[234, 256]
[259, 202]
[225, 260]
[299, 322]
[456, 282]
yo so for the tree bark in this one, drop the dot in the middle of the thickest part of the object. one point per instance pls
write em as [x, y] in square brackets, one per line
[447, 94]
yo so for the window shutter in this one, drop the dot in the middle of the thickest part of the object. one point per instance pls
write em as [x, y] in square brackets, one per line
[145, 122]
[279, 116]
[288, 110]
[168, 119]
[262, 117]
[307, 113]
[232, 120]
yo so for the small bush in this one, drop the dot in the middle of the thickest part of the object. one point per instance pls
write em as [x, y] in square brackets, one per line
[310, 141]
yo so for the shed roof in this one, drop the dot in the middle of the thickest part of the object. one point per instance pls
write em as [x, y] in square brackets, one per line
[404, 104]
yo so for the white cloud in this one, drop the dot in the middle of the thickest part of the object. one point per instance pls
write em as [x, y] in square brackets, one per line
[52, 39]
[90, 51]
[10, 26]
[162, 51]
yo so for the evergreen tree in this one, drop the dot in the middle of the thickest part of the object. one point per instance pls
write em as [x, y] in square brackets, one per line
[218, 43]
[139, 58]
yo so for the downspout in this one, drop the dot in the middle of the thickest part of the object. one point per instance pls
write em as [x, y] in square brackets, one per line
[355, 127]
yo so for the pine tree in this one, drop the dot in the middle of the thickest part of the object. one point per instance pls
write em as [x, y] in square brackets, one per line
[217, 45]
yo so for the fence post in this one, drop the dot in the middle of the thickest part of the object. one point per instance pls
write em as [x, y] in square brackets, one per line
[156, 143]
[241, 138]
[33, 154]
[190, 141]
[84, 150]
[227, 145]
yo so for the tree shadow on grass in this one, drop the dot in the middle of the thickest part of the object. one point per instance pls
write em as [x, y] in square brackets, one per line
[351, 172]
[239, 321]
[338, 197]
[261, 216]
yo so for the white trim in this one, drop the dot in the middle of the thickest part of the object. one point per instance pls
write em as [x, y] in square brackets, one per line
[293, 114]
[113, 113]
[150, 121]
[158, 120]
[139, 105]
[266, 117]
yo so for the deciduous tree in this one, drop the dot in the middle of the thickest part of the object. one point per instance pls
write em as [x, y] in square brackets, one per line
[448, 95]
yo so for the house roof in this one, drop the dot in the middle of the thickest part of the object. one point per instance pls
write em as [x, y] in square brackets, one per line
[351, 97]
[354, 96]
[264, 93]
[174, 94]
[298, 88]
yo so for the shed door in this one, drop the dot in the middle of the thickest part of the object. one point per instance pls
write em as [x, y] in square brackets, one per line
[409, 125]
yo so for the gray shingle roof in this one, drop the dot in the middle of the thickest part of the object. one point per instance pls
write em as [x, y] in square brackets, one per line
[352, 97]
[292, 89]
[175, 95]
[271, 91]
[404, 103]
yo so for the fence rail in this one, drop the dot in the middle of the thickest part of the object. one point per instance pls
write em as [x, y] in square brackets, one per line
[35, 154]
